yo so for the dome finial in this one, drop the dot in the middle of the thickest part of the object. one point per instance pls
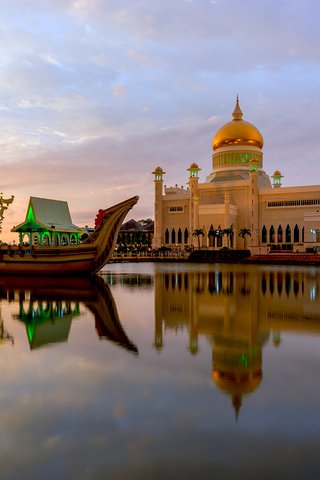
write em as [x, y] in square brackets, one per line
[237, 113]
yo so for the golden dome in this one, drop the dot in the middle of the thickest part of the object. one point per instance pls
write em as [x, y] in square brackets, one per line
[277, 173]
[237, 132]
[158, 171]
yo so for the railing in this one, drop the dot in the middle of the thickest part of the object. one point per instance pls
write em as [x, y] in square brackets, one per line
[151, 255]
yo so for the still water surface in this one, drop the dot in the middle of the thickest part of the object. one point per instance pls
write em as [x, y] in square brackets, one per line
[162, 371]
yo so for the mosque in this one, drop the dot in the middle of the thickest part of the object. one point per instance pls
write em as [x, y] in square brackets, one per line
[237, 199]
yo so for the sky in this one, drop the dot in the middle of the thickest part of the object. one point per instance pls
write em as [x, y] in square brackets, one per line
[94, 94]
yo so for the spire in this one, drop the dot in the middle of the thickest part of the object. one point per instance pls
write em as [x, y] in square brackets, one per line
[237, 113]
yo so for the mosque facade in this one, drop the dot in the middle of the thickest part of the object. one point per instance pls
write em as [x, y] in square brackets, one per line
[237, 199]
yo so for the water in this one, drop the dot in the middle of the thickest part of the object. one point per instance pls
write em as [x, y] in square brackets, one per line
[162, 371]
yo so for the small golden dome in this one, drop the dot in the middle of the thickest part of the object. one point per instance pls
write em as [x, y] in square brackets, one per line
[277, 173]
[237, 132]
[194, 165]
[158, 171]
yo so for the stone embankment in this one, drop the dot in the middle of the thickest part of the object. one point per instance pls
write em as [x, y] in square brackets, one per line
[155, 257]
[285, 259]
[225, 256]
[219, 256]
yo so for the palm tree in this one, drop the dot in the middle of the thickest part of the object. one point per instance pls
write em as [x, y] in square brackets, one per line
[244, 233]
[197, 233]
[229, 233]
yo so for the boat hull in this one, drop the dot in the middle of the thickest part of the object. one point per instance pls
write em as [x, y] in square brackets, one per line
[87, 258]
[44, 267]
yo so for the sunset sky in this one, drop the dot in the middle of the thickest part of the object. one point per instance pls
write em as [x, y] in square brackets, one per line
[96, 93]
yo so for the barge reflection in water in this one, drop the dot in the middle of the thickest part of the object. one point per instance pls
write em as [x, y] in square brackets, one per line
[47, 307]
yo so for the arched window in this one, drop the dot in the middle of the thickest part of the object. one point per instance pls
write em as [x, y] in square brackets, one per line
[56, 240]
[279, 234]
[35, 240]
[45, 240]
[296, 234]
[302, 240]
[264, 234]
[288, 234]
[179, 236]
[73, 240]
[166, 236]
[173, 236]
[64, 240]
[272, 234]
[26, 239]
[186, 235]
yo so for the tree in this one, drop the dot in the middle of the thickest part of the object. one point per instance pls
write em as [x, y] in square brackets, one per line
[244, 233]
[145, 221]
[229, 233]
[197, 233]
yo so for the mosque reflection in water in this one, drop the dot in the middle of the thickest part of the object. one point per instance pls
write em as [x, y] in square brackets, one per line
[237, 312]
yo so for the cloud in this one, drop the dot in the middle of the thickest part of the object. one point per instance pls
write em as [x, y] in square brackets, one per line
[119, 87]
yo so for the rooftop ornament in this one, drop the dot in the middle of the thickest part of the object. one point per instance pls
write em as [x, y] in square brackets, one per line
[4, 203]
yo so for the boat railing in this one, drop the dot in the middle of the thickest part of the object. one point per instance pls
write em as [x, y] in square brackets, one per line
[46, 250]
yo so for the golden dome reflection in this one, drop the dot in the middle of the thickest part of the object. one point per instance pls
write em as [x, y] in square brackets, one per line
[237, 383]
[237, 132]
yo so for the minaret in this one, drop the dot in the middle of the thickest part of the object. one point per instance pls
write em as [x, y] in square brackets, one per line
[158, 220]
[276, 177]
[194, 198]
[254, 202]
